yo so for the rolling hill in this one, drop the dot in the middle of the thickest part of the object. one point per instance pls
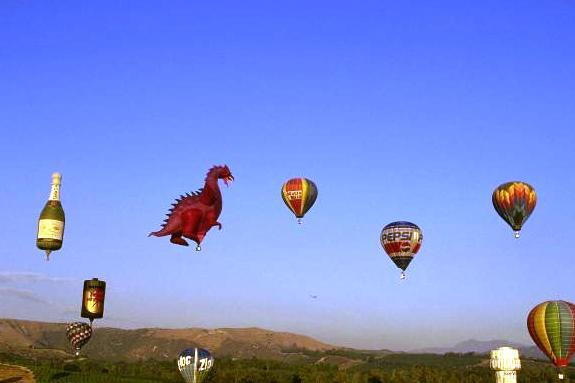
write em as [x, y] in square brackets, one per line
[49, 339]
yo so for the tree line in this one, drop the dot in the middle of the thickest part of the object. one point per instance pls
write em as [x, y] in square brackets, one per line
[366, 368]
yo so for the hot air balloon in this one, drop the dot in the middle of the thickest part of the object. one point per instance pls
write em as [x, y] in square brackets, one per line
[401, 241]
[93, 299]
[78, 334]
[514, 202]
[194, 364]
[551, 325]
[299, 194]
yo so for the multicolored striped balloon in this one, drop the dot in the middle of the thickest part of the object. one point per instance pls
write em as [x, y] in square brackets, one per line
[78, 334]
[514, 202]
[299, 194]
[551, 325]
[401, 241]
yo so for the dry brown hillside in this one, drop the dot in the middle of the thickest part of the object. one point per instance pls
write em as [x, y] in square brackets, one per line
[15, 374]
[19, 333]
[49, 339]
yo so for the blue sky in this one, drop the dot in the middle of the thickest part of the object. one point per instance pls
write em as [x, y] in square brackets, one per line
[396, 110]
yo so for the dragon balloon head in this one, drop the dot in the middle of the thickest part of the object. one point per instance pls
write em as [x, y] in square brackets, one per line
[225, 174]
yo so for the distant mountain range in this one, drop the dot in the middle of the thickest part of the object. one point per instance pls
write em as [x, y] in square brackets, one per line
[41, 339]
[483, 347]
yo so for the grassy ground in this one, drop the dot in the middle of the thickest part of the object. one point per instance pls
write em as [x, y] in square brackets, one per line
[328, 367]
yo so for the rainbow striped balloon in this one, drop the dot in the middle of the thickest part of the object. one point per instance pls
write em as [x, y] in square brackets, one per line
[299, 195]
[551, 325]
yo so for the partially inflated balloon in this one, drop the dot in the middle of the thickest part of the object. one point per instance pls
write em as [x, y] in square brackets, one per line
[299, 194]
[514, 202]
[551, 325]
[78, 334]
[401, 241]
[194, 364]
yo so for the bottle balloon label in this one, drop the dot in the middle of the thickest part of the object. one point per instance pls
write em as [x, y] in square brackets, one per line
[94, 298]
[55, 193]
[50, 229]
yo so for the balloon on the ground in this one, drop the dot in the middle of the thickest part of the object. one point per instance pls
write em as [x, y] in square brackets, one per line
[551, 325]
[78, 334]
[299, 195]
[401, 241]
[194, 364]
[514, 202]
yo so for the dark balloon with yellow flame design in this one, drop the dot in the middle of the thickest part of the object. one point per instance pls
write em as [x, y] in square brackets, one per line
[299, 195]
[514, 202]
[93, 299]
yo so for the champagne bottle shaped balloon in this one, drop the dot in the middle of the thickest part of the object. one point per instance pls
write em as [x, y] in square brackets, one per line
[51, 222]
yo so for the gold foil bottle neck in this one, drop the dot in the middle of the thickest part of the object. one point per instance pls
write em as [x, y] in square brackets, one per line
[56, 178]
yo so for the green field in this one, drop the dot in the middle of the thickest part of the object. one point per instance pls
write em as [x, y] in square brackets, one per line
[338, 367]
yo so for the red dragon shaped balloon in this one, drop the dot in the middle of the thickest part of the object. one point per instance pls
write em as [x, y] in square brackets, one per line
[194, 214]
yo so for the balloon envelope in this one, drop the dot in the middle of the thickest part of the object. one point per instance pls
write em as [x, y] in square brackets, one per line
[401, 240]
[514, 202]
[194, 364]
[551, 325]
[78, 334]
[299, 195]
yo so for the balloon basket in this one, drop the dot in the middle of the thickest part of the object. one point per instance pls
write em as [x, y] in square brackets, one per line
[299, 221]
[516, 234]
[198, 248]
[402, 276]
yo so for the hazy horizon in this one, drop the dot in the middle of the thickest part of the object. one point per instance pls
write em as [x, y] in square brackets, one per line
[511, 342]
[397, 111]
